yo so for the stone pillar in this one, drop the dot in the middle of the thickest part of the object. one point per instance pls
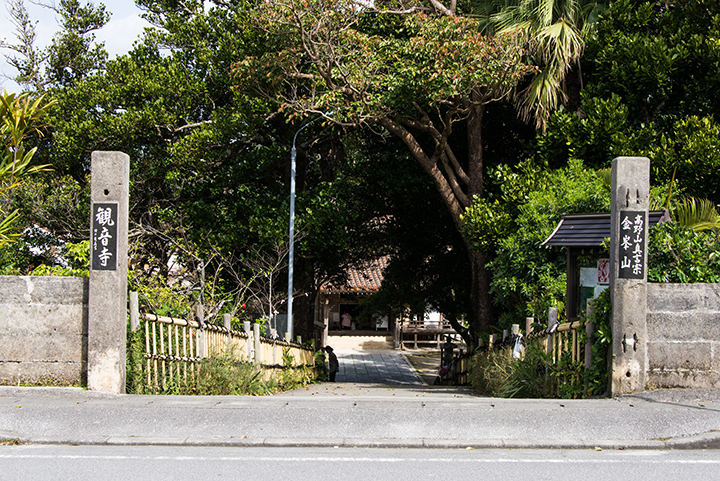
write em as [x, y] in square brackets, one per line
[628, 273]
[107, 293]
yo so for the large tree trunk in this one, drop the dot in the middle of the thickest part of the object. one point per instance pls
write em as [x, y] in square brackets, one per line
[480, 315]
[481, 318]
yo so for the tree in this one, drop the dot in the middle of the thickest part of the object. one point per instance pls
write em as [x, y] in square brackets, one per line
[657, 63]
[414, 76]
[554, 32]
[209, 165]
[27, 60]
[73, 54]
[528, 278]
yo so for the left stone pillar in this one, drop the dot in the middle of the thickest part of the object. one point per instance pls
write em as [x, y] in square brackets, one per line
[107, 299]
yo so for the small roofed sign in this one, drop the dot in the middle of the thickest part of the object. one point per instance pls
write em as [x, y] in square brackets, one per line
[631, 255]
[104, 236]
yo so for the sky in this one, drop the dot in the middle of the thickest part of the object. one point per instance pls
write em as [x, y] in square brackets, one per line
[124, 28]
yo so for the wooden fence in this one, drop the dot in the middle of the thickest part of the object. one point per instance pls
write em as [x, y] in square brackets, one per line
[559, 340]
[173, 347]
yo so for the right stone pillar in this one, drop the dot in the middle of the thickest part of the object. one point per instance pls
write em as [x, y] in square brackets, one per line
[628, 273]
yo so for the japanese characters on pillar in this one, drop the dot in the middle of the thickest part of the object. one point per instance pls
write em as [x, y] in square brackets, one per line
[631, 255]
[104, 236]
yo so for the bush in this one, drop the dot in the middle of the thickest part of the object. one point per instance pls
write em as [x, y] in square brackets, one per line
[221, 376]
[681, 254]
[495, 373]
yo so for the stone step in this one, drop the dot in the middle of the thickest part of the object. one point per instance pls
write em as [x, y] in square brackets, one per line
[360, 343]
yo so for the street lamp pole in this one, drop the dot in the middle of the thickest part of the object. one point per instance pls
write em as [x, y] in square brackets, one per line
[291, 253]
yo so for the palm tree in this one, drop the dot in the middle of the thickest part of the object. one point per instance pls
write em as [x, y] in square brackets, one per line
[19, 116]
[554, 32]
[699, 214]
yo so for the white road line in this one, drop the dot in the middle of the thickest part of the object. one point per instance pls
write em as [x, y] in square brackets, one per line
[255, 459]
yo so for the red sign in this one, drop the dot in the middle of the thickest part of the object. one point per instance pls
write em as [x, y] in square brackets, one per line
[603, 270]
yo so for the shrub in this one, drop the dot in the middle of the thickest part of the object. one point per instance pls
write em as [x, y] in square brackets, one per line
[496, 373]
[220, 375]
[682, 254]
[223, 375]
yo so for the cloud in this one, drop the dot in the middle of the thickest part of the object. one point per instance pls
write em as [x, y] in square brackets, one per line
[120, 34]
[124, 28]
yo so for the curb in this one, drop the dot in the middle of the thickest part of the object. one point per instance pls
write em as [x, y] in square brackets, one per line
[705, 441]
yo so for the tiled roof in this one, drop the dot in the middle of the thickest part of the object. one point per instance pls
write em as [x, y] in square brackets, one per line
[590, 230]
[367, 277]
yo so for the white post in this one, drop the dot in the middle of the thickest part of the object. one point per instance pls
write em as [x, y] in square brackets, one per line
[256, 343]
[134, 312]
[200, 316]
[552, 327]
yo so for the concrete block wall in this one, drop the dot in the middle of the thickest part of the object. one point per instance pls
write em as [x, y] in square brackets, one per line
[683, 329]
[43, 330]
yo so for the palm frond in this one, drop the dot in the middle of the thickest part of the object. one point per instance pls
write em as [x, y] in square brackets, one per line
[699, 214]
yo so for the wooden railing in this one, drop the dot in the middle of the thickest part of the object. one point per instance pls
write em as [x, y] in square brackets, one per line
[558, 340]
[174, 346]
[414, 333]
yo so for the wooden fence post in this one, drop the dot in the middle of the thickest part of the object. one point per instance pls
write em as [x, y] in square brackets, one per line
[134, 312]
[552, 326]
[589, 329]
[256, 343]
[529, 325]
[248, 331]
[227, 323]
[200, 316]
[491, 341]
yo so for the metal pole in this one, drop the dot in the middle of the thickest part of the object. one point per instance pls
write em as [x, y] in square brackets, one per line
[291, 253]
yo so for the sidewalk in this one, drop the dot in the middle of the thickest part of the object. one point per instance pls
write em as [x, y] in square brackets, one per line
[353, 414]
[389, 406]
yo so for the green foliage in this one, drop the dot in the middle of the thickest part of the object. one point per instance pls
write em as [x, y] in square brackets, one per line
[495, 373]
[20, 117]
[700, 214]
[602, 132]
[161, 298]
[596, 377]
[489, 371]
[218, 376]
[135, 374]
[74, 53]
[321, 365]
[670, 52]
[681, 254]
[554, 31]
[691, 153]
[292, 377]
[77, 258]
[666, 112]
[528, 278]
[427, 61]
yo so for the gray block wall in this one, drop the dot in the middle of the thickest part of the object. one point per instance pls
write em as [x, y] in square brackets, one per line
[43, 330]
[683, 326]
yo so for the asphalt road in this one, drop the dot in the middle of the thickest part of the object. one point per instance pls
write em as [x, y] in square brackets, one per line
[156, 463]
